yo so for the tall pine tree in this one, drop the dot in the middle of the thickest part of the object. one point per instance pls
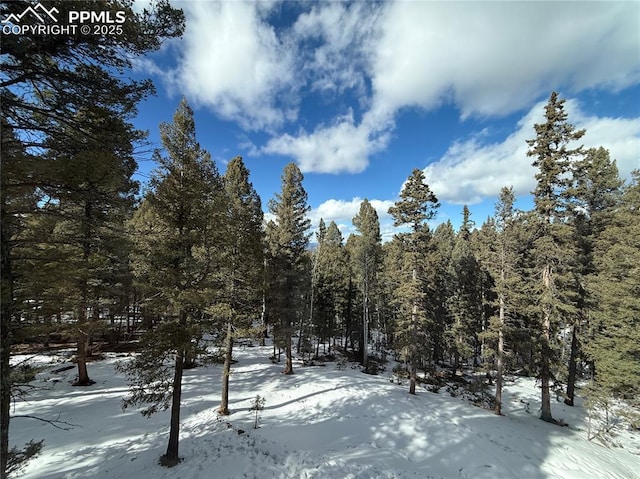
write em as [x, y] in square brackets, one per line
[367, 259]
[553, 254]
[287, 240]
[502, 258]
[466, 301]
[44, 84]
[417, 205]
[241, 275]
[178, 237]
[595, 190]
[614, 346]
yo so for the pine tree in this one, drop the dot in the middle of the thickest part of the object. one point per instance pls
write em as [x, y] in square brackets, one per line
[287, 239]
[417, 205]
[553, 249]
[503, 259]
[595, 190]
[466, 301]
[331, 283]
[90, 213]
[44, 84]
[241, 273]
[352, 311]
[614, 345]
[367, 258]
[178, 230]
[17, 200]
[443, 241]
[315, 258]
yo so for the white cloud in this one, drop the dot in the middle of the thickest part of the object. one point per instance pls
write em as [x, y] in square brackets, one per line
[493, 58]
[487, 58]
[621, 136]
[344, 32]
[341, 37]
[471, 171]
[343, 211]
[340, 147]
[233, 62]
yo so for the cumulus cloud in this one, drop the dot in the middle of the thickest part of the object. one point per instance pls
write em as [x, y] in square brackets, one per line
[621, 136]
[335, 42]
[340, 35]
[343, 211]
[233, 61]
[494, 58]
[340, 147]
[471, 171]
[486, 58]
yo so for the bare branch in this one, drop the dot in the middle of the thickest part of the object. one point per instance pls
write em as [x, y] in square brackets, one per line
[53, 422]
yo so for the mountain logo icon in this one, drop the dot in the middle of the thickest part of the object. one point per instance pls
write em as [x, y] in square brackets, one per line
[38, 12]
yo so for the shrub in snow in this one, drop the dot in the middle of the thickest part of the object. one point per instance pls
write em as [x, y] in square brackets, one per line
[257, 405]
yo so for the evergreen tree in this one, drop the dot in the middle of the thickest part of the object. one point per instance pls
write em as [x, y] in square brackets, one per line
[595, 190]
[417, 205]
[552, 253]
[614, 346]
[352, 311]
[241, 274]
[178, 236]
[367, 258]
[389, 281]
[315, 257]
[443, 241]
[90, 213]
[287, 238]
[44, 83]
[17, 200]
[466, 301]
[503, 260]
[331, 283]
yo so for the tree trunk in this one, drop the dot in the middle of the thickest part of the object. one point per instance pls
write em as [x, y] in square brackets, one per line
[263, 320]
[288, 368]
[5, 345]
[81, 358]
[545, 413]
[573, 359]
[499, 358]
[226, 371]
[414, 319]
[5, 389]
[190, 356]
[83, 336]
[365, 328]
[313, 284]
[545, 373]
[300, 333]
[6, 312]
[412, 375]
[171, 457]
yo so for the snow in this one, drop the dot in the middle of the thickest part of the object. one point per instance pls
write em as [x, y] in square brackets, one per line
[321, 422]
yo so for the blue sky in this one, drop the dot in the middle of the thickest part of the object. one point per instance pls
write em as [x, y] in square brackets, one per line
[359, 94]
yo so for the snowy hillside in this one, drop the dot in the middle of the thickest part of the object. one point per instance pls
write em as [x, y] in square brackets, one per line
[322, 422]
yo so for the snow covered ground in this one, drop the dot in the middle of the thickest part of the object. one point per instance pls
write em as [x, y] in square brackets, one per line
[322, 422]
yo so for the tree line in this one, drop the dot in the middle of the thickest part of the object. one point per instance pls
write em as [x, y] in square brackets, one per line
[551, 292]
